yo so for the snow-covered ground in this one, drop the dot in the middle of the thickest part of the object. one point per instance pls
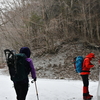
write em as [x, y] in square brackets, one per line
[48, 89]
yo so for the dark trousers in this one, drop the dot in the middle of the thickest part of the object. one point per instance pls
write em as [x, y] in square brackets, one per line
[85, 85]
[85, 80]
[21, 88]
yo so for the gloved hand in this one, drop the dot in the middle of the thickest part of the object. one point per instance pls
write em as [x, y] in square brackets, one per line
[35, 79]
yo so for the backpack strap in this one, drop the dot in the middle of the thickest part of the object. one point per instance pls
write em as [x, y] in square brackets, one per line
[85, 71]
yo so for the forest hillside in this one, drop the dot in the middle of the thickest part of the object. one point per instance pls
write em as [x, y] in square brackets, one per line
[56, 31]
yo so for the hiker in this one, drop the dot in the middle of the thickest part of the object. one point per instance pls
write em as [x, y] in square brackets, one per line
[85, 74]
[21, 87]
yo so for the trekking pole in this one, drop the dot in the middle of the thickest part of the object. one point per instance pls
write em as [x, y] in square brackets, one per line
[36, 90]
[98, 89]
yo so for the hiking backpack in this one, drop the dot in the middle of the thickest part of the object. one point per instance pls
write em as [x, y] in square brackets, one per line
[78, 63]
[18, 66]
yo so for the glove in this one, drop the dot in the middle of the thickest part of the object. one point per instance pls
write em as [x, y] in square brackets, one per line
[35, 79]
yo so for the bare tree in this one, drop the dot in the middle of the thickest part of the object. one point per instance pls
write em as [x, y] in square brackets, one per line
[47, 23]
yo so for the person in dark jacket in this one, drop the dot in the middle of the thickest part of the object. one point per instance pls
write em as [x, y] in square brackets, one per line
[21, 87]
[87, 65]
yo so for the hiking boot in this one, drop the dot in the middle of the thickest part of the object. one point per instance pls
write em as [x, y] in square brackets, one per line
[87, 97]
[91, 96]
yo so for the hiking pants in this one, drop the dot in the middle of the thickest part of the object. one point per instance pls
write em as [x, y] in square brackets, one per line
[85, 85]
[21, 88]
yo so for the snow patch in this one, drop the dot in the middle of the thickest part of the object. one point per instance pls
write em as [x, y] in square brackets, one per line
[48, 89]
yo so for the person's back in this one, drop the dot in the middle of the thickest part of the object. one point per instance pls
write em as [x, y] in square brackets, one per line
[22, 66]
[87, 65]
